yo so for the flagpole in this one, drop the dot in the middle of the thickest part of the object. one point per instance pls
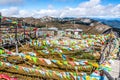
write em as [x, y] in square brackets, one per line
[24, 30]
[16, 38]
[0, 29]
[30, 29]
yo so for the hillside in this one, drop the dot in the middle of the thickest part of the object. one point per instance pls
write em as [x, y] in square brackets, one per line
[115, 22]
[88, 25]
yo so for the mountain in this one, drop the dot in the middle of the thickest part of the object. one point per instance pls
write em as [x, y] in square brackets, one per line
[86, 24]
[113, 22]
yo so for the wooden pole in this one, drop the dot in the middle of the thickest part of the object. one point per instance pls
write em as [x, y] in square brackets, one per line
[30, 30]
[35, 31]
[0, 29]
[16, 38]
[24, 31]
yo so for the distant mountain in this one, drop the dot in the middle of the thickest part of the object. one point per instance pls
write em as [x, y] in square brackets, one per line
[113, 22]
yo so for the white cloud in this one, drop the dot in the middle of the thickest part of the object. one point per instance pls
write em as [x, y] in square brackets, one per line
[10, 2]
[50, 6]
[90, 3]
[91, 8]
[12, 11]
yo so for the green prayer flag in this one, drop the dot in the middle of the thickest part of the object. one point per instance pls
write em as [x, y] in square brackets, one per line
[34, 59]
[15, 22]
[0, 63]
[17, 67]
[1, 51]
[50, 74]
[65, 63]
[75, 74]
[0, 16]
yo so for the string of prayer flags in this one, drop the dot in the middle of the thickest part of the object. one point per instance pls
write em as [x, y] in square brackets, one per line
[8, 20]
[47, 61]
[4, 76]
[14, 22]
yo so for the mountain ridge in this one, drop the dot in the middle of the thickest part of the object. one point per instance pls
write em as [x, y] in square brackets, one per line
[86, 24]
[113, 22]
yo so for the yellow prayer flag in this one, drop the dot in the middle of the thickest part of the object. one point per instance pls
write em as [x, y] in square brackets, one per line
[28, 57]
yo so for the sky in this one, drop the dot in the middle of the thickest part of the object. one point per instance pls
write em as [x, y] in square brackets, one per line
[61, 8]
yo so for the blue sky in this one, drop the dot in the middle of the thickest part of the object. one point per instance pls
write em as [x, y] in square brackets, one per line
[43, 4]
[60, 8]
[58, 4]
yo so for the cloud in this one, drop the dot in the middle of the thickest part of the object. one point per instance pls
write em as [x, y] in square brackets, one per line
[90, 3]
[10, 2]
[91, 8]
[50, 6]
[12, 11]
